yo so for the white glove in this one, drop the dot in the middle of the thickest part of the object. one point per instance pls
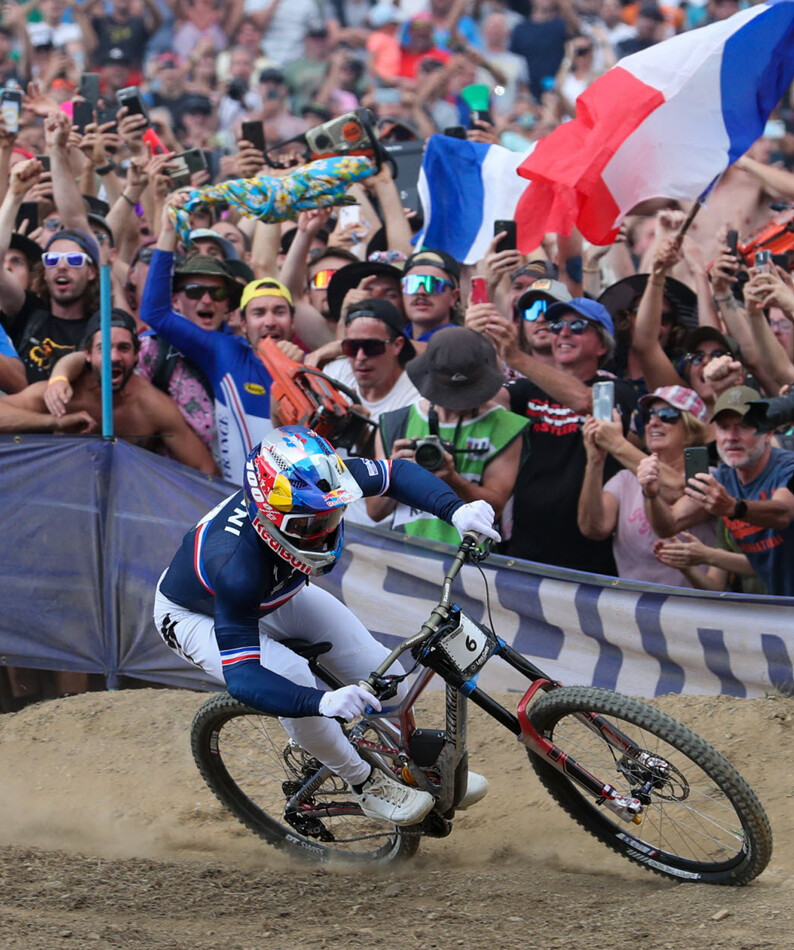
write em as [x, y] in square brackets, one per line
[476, 516]
[347, 703]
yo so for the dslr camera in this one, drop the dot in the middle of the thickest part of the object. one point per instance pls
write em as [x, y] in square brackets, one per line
[430, 451]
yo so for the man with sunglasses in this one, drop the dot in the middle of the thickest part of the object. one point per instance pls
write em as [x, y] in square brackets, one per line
[556, 399]
[240, 382]
[430, 293]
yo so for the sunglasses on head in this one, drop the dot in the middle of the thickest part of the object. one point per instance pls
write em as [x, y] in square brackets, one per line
[73, 258]
[413, 283]
[386, 257]
[669, 415]
[699, 356]
[322, 279]
[577, 326]
[535, 310]
[197, 291]
[371, 347]
[53, 224]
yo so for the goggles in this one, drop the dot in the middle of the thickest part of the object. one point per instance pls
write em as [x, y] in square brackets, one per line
[577, 327]
[371, 347]
[535, 310]
[413, 283]
[699, 357]
[322, 279]
[197, 291]
[73, 258]
[387, 257]
[310, 527]
[669, 415]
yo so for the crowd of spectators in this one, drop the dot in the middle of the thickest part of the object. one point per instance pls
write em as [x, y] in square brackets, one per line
[495, 395]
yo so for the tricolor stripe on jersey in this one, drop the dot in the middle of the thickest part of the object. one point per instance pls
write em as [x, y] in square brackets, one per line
[239, 655]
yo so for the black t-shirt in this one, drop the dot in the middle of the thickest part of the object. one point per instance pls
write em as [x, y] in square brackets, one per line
[42, 339]
[543, 46]
[546, 495]
[130, 37]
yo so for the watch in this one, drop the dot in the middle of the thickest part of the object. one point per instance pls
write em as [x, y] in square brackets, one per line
[740, 509]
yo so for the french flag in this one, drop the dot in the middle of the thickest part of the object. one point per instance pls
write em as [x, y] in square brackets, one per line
[664, 122]
[464, 187]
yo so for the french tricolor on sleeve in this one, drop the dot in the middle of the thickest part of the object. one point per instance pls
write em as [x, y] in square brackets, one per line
[664, 122]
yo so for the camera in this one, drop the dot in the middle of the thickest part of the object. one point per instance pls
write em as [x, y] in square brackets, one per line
[430, 451]
[237, 89]
[767, 414]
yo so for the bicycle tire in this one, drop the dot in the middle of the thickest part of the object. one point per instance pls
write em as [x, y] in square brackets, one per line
[245, 757]
[714, 832]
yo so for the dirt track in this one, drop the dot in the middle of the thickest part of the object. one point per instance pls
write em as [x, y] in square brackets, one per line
[112, 840]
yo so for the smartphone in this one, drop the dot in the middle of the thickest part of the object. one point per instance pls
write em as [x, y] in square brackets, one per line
[28, 211]
[763, 261]
[508, 242]
[45, 162]
[185, 165]
[103, 116]
[82, 114]
[483, 114]
[387, 96]
[130, 96]
[696, 460]
[254, 132]
[348, 214]
[456, 131]
[603, 399]
[89, 87]
[11, 108]
[479, 290]
[732, 241]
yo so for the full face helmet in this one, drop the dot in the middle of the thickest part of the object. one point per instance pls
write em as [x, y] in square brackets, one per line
[296, 491]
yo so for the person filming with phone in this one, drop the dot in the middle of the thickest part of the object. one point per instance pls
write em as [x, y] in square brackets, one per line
[750, 491]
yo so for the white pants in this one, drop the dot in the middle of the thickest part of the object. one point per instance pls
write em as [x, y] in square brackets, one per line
[314, 615]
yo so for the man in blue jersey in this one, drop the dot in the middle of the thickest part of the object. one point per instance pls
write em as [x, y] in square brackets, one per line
[239, 379]
[239, 584]
[750, 491]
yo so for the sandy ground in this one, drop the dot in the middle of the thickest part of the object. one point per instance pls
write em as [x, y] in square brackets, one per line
[111, 839]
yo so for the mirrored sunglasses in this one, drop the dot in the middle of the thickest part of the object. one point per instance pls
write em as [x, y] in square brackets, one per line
[197, 291]
[73, 258]
[577, 327]
[699, 356]
[413, 283]
[387, 257]
[145, 255]
[322, 279]
[669, 415]
[371, 347]
[535, 310]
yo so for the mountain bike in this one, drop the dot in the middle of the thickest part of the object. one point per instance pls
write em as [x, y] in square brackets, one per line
[643, 784]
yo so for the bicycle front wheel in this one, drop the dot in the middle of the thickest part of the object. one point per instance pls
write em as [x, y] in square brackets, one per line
[253, 769]
[701, 821]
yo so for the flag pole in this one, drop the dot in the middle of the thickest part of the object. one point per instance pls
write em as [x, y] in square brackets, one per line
[701, 200]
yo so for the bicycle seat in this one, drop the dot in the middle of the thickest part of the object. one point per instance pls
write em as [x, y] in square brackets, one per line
[305, 648]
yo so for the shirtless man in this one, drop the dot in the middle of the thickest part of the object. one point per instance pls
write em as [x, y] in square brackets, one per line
[141, 413]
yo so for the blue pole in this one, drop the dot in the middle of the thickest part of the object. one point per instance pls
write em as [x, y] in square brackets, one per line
[107, 379]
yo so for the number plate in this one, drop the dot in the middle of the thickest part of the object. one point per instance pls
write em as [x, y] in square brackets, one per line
[466, 645]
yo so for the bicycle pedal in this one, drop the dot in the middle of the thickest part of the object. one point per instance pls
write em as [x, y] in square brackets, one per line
[434, 826]
[308, 826]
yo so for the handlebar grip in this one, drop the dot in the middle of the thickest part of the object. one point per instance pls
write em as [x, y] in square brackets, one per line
[370, 711]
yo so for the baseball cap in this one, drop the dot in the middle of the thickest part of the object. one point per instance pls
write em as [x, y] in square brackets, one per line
[736, 399]
[81, 238]
[536, 269]
[544, 287]
[196, 104]
[264, 287]
[701, 334]
[115, 55]
[680, 398]
[651, 12]
[205, 265]
[168, 58]
[26, 246]
[625, 293]
[377, 308]
[229, 250]
[271, 75]
[350, 276]
[383, 13]
[589, 309]
[458, 370]
[118, 318]
[432, 258]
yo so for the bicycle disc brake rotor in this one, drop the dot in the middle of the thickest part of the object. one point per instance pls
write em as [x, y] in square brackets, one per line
[652, 775]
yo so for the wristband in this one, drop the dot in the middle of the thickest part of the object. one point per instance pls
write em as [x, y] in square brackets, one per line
[723, 298]
[130, 202]
[55, 379]
[106, 169]
[739, 510]
[591, 270]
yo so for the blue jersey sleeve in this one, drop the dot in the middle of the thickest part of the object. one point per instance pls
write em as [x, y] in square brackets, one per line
[406, 482]
[156, 311]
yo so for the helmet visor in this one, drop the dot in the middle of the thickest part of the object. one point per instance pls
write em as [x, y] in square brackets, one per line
[312, 527]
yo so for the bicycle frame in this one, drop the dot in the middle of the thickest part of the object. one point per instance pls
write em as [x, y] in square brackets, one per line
[445, 776]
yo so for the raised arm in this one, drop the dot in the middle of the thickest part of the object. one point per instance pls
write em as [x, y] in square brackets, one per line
[597, 514]
[68, 199]
[23, 176]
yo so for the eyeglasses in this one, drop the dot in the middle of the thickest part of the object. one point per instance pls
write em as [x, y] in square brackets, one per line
[699, 357]
[413, 283]
[73, 258]
[535, 310]
[669, 415]
[197, 291]
[145, 255]
[371, 347]
[322, 279]
[577, 327]
[100, 237]
[53, 224]
[387, 257]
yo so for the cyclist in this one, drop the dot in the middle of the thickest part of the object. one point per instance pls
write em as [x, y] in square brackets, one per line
[239, 584]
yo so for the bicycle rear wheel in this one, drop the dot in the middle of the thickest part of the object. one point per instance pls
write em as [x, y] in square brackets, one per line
[701, 821]
[250, 764]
